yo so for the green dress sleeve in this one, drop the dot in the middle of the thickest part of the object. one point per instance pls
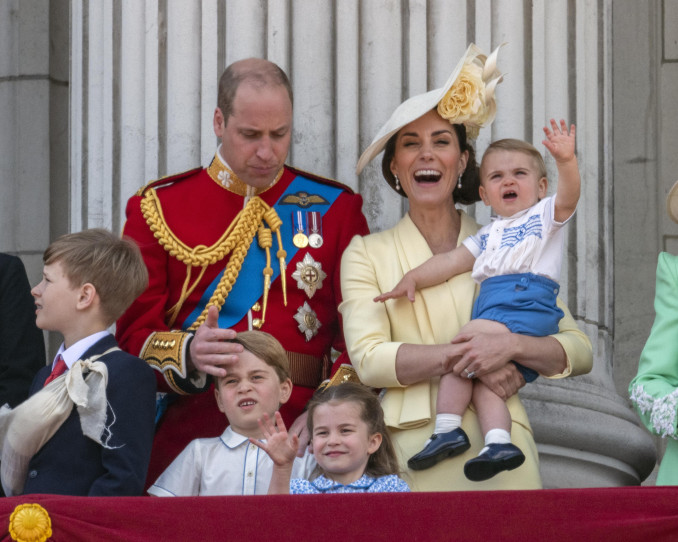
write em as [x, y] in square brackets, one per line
[654, 390]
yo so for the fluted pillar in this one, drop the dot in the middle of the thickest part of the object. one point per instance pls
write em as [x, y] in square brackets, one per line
[24, 154]
[586, 433]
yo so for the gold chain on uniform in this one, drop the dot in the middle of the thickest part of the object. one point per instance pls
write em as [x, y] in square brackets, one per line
[236, 240]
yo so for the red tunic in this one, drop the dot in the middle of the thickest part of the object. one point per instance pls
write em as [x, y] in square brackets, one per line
[198, 210]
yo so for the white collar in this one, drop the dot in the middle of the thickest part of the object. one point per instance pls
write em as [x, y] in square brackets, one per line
[75, 352]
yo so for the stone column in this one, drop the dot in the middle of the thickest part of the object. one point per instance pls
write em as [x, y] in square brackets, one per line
[25, 135]
[34, 117]
[586, 433]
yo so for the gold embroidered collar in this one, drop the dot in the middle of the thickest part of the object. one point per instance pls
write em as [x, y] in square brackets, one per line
[226, 177]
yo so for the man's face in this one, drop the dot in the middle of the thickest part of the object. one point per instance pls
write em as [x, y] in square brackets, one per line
[256, 137]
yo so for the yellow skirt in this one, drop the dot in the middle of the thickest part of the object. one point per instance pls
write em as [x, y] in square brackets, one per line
[448, 475]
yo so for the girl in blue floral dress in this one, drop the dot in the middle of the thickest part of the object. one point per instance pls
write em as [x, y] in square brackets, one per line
[349, 440]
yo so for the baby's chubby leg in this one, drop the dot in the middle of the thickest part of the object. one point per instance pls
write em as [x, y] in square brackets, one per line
[491, 409]
[499, 454]
[454, 394]
[481, 325]
[448, 438]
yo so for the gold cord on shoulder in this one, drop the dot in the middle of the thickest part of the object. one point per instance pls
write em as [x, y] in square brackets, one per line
[236, 241]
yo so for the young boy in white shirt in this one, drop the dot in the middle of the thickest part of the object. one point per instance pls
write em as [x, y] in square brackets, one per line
[230, 465]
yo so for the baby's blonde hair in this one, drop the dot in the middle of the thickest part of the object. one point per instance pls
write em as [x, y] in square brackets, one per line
[515, 145]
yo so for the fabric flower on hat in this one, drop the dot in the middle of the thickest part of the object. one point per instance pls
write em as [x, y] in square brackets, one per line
[467, 98]
[470, 100]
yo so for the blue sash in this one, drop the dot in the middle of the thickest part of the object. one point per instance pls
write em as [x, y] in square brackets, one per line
[250, 284]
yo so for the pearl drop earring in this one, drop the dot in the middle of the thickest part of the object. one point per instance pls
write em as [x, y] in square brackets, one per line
[459, 181]
[397, 183]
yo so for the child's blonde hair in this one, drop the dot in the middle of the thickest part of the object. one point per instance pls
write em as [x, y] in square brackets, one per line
[382, 462]
[515, 145]
[113, 265]
[267, 348]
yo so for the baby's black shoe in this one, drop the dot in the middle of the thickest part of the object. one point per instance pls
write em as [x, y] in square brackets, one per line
[497, 458]
[440, 446]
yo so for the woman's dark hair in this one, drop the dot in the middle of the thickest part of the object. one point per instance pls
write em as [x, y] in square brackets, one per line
[470, 179]
[382, 462]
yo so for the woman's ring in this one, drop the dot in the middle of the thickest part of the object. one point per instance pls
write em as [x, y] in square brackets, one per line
[470, 375]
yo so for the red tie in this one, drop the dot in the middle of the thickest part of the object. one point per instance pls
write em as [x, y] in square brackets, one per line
[60, 368]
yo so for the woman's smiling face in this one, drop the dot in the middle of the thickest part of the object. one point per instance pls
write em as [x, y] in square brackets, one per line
[428, 160]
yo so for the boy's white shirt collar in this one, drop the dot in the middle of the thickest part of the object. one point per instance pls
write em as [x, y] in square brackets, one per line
[75, 352]
[233, 439]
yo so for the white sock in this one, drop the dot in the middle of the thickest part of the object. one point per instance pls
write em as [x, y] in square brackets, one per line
[445, 423]
[496, 436]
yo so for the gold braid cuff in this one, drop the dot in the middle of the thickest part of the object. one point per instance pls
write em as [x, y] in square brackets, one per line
[165, 351]
[236, 241]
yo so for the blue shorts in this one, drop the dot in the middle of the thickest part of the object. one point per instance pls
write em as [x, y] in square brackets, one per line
[525, 303]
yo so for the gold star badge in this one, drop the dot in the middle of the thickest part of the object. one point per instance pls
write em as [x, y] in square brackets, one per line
[308, 321]
[309, 275]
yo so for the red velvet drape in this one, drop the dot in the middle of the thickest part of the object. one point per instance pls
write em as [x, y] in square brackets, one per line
[605, 514]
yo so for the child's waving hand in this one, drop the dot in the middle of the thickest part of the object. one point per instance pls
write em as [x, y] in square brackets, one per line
[559, 141]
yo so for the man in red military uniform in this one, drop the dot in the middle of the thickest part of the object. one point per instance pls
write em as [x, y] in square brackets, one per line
[246, 243]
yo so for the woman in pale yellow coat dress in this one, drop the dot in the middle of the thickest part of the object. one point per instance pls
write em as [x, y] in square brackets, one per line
[404, 347]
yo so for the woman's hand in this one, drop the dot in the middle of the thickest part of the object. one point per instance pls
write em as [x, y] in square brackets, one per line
[482, 347]
[481, 353]
[505, 381]
[484, 351]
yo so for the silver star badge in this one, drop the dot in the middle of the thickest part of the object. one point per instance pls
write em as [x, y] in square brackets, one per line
[309, 275]
[308, 321]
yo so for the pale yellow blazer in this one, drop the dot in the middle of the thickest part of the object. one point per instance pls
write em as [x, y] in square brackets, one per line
[374, 332]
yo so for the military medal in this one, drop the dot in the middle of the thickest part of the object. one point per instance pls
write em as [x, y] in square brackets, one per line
[308, 321]
[309, 275]
[300, 240]
[315, 238]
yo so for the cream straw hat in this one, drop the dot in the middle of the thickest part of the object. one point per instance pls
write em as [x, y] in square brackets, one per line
[466, 98]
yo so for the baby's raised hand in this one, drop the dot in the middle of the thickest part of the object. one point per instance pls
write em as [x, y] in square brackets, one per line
[405, 287]
[559, 141]
[280, 445]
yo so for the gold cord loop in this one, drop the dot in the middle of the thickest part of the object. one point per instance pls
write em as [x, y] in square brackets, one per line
[236, 241]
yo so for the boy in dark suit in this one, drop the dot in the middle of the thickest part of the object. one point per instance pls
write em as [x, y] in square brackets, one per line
[101, 443]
